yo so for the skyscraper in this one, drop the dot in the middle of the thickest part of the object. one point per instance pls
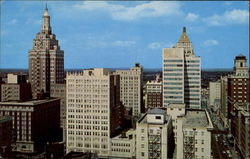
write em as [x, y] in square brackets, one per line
[181, 74]
[131, 88]
[94, 113]
[46, 59]
[238, 90]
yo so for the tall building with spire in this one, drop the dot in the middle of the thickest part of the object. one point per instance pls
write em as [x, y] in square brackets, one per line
[181, 74]
[46, 59]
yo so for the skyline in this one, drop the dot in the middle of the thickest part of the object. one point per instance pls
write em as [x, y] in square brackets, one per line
[101, 30]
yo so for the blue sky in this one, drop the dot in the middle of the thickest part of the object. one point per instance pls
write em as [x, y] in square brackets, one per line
[116, 34]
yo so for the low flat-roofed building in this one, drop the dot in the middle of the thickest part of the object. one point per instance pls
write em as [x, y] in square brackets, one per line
[194, 134]
[34, 123]
[123, 145]
[154, 135]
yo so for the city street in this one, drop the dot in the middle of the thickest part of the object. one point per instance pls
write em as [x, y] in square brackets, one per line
[221, 148]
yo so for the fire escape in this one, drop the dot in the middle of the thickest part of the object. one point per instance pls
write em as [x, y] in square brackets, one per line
[189, 145]
[154, 146]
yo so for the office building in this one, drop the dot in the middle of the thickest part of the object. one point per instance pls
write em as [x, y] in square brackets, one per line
[34, 123]
[46, 59]
[238, 86]
[15, 89]
[241, 129]
[94, 111]
[181, 74]
[123, 145]
[131, 88]
[153, 135]
[154, 93]
[194, 134]
[215, 95]
[224, 107]
[59, 91]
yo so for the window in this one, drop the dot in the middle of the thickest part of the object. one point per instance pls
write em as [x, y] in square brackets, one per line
[142, 154]
[157, 117]
[142, 130]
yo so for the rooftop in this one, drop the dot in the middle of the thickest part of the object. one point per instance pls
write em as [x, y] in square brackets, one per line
[196, 118]
[29, 102]
[156, 111]
[176, 105]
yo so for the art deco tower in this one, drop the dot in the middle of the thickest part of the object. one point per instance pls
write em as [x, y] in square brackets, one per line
[181, 74]
[46, 59]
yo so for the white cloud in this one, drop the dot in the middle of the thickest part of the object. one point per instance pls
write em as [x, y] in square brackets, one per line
[210, 42]
[125, 13]
[159, 45]
[155, 45]
[235, 16]
[191, 17]
[123, 43]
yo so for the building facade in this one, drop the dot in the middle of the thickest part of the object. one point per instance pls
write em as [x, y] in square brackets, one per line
[34, 123]
[224, 109]
[238, 86]
[15, 89]
[175, 110]
[194, 134]
[241, 129]
[154, 93]
[153, 135]
[215, 95]
[94, 111]
[123, 145]
[46, 59]
[181, 74]
[131, 88]
[59, 91]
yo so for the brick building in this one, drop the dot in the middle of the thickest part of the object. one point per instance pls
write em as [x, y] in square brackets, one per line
[35, 123]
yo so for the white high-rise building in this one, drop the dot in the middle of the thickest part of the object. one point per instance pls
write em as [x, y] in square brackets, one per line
[194, 134]
[153, 135]
[131, 88]
[93, 110]
[181, 74]
[215, 94]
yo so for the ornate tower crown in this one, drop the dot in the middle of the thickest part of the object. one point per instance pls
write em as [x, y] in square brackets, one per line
[46, 28]
[184, 37]
[185, 43]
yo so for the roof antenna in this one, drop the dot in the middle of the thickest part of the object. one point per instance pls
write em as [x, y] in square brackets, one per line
[46, 6]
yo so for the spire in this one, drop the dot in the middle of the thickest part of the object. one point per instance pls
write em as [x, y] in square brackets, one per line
[46, 21]
[184, 30]
[184, 38]
[46, 13]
